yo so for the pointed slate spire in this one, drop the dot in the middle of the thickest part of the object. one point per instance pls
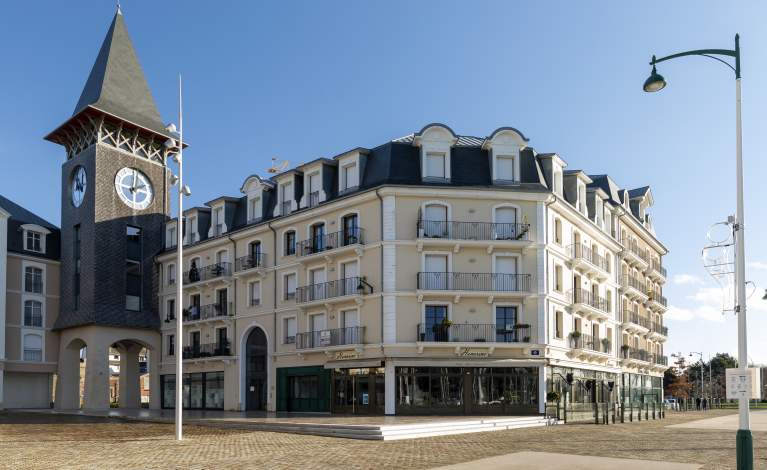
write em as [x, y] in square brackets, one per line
[116, 84]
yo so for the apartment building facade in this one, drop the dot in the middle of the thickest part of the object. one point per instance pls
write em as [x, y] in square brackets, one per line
[436, 273]
[29, 306]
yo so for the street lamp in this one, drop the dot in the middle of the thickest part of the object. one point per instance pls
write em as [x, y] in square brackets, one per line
[177, 147]
[744, 440]
[700, 390]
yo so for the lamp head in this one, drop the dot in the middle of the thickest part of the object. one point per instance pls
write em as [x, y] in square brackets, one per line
[170, 144]
[173, 179]
[186, 191]
[655, 82]
[171, 128]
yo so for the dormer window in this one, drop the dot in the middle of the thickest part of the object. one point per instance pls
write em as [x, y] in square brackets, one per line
[314, 186]
[435, 165]
[171, 236]
[34, 237]
[33, 241]
[286, 198]
[193, 236]
[582, 198]
[255, 190]
[505, 168]
[557, 181]
[255, 209]
[349, 176]
[436, 142]
[218, 225]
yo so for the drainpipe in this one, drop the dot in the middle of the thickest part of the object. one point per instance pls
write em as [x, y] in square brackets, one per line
[234, 296]
[274, 288]
[381, 237]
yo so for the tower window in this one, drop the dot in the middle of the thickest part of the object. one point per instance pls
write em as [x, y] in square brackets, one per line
[133, 270]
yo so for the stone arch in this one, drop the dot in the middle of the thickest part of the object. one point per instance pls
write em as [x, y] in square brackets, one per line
[254, 377]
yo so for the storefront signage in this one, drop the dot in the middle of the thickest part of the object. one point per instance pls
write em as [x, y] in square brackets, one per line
[345, 355]
[474, 353]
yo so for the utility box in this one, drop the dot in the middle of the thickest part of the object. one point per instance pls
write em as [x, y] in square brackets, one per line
[743, 383]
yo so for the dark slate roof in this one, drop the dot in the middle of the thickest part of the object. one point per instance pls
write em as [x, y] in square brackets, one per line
[638, 192]
[117, 85]
[20, 216]
[463, 140]
[606, 184]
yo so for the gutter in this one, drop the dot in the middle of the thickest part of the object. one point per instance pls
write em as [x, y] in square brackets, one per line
[234, 304]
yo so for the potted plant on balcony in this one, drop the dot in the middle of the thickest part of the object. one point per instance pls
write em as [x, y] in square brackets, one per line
[442, 330]
[553, 396]
[625, 350]
[605, 344]
[574, 337]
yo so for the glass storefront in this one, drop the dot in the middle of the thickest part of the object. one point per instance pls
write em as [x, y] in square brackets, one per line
[303, 389]
[589, 386]
[358, 391]
[638, 388]
[201, 391]
[467, 390]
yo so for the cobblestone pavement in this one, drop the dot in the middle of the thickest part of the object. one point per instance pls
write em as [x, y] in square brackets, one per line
[58, 441]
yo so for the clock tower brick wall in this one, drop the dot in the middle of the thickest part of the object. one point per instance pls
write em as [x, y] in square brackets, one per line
[103, 218]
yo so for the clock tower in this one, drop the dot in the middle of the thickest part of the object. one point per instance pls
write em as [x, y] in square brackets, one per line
[114, 204]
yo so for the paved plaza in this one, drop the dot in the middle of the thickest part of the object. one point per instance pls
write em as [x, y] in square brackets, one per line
[35, 440]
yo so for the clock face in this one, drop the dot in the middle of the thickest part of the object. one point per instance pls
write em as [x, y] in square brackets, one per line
[134, 188]
[79, 182]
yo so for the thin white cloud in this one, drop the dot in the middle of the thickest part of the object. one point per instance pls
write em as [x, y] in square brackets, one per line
[758, 265]
[687, 280]
[699, 312]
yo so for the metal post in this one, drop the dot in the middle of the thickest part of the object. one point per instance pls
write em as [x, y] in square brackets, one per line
[180, 274]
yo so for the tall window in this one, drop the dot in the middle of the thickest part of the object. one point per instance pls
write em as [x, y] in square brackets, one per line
[254, 206]
[254, 289]
[505, 324]
[171, 236]
[171, 345]
[170, 312]
[133, 269]
[171, 274]
[254, 251]
[218, 221]
[34, 242]
[289, 328]
[349, 176]
[435, 165]
[434, 316]
[318, 237]
[193, 237]
[351, 229]
[558, 321]
[290, 243]
[33, 347]
[558, 232]
[290, 286]
[558, 278]
[33, 280]
[76, 280]
[504, 168]
[33, 313]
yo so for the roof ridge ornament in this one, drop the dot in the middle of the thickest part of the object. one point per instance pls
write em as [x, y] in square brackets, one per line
[119, 10]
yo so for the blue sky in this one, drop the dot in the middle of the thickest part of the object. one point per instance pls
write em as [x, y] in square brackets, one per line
[301, 80]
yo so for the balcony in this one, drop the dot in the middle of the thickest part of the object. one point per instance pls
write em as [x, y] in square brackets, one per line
[656, 271]
[634, 322]
[208, 312]
[486, 234]
[473, 333]
[633, 288]
[336, 242]
[328, 292]
[209, 350]
[632, 355]
[658, 332]
[588, 347]
[213, 272]
[330, 338]
[657, 302]
[634, 255]
[660, 360]
[246, 263]
[587, 260]
[591, 306]
[473, 284]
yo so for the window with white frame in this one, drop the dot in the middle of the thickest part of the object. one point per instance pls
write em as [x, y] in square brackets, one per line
[286, 197]
[557, 177]
[34, 241]
[171, 274]
[33, 347]
[314, 186]
[558, 323]
[33, 280]
[254, 209]
[505, 168]
[218, 221]
[558, 278]
[33, 313]
[349, 176]
[289, 286]
[193, 236]
[350, 318]
[170, 235]
[558, 232]
[170, 309]
[289, 330]
[435, 165]
[254, 293]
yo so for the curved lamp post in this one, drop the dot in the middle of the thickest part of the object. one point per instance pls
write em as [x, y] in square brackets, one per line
[656, 82]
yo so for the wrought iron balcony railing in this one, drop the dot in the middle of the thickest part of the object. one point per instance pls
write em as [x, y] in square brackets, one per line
[256, 260]
[583, 296]
[658, 328]
[633, 247]
[208, 312]
[197, 351]
[474, 333]
[582, 251]
[326, 338]
[453, 230]
[489, 282]
[313, 199]
[637, 354]
[633, 316]
[635, 283]
[655, 297]
[207, 273]
[656, 266]
[330, 289]
[586, 341]
[331, 241]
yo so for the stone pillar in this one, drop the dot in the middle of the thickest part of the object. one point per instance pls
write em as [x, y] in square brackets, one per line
[97, 376]
[153, 363]
[130, 385]
[68, 381]
[390, 388]
[542, 388]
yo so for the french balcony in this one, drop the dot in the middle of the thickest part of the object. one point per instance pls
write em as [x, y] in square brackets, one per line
[657, 302]
[634, 289]
[588, 347]
[313, 199]
[657, 272]
[660, 360]
[490, 285]
[591, 306]
[328, 338]
[634, 322]
[483, 234]
[333, 291]
[636, 356]
[473, 333]
[634, 255]
[587, 260]
[218, 272]
[658, 332]
[332, 244]
[197, 313]
[255, 262]
[207, 351]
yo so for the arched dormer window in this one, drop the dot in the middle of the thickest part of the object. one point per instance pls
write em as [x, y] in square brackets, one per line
[504, 145]
[436, 142]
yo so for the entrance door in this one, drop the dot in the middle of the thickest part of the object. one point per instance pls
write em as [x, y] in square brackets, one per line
[256, 370]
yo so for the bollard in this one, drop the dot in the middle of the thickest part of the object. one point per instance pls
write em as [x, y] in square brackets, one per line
[653, 410]
[623, 413]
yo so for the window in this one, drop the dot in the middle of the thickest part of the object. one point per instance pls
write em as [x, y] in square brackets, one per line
[33, 242]
[171, 345]
[435, 165]
[434, 316]
[193, 237]
[171, 234]
[558, 232]
[435, 223]
[254, 209]
[558, 279]
[558, 321]
[254, 293]
[290, 286]
[349, 177]
[286, 198]
[33, 280]
[504, 168]
[557, 180]
[505, 324]
[133, 278]
[318, 238]
[317, 322]
[218, 221]
[351, 230]
[314, 187]
[289, 329]
[290, 243]
[171, 274]
[350, 319]
[170, 309]
[254, 252]
[33, 347]
[76, 280]
[33, 313]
